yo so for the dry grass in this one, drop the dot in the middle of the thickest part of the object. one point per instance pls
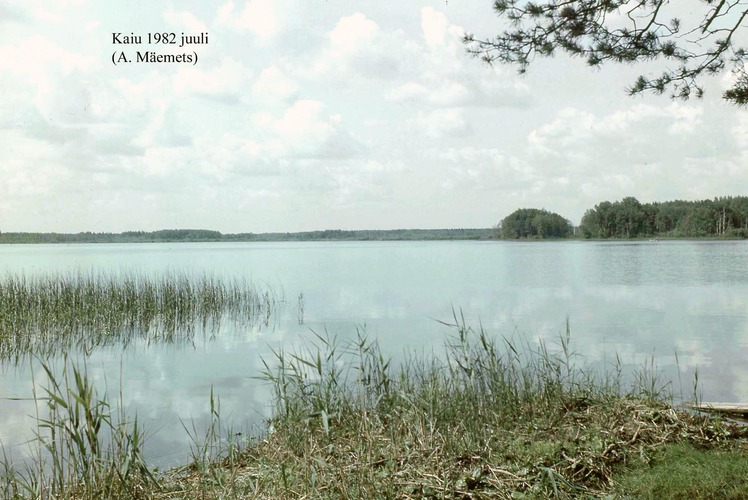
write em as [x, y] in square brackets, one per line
[579, 454]
[484, 423]
[491, 419]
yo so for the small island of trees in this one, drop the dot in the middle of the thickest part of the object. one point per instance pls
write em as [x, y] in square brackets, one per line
[534, 223]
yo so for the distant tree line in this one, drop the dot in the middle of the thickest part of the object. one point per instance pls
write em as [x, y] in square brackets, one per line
[164, 235]
[721, 217]
[368, 234]
[175, 235]
[196, 235]
[534, 223]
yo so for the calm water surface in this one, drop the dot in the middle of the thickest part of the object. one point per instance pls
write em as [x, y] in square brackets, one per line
[641, 300]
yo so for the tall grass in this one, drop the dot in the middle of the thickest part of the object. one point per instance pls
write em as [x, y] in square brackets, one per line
[43, 313]
[491, 418]
[83, 447]
[510, 377]
[86, 446]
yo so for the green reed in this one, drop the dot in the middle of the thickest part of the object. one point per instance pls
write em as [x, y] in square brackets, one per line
[48, 313]
[490, 417]
[86, 446]
[83, 447]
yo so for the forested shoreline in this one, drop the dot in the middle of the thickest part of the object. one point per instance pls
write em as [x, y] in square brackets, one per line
[724, 217]
[203, 235]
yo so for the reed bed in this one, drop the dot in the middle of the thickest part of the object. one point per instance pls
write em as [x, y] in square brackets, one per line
[83, 448]
[50, 313]
[490, 418]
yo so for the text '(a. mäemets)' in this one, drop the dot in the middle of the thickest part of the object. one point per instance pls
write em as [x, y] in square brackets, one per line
[162, 40]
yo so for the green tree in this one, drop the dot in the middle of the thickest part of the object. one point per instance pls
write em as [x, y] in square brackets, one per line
[629, 215]
[649, 219]
[668, 215]
[533, 223]
[721, 217]
[606, 218]
[589, 226]
[699, 222]
[620, 31]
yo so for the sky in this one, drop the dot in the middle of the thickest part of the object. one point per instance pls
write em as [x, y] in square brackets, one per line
[331, 114]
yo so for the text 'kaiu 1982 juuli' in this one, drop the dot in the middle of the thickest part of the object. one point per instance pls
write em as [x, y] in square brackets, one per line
[160, 39]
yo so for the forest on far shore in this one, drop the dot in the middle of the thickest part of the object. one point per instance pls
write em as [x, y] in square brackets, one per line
[198, 235]
[721, 217]
[725, 217]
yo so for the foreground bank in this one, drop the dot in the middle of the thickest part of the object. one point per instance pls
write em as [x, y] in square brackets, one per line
[487, 419]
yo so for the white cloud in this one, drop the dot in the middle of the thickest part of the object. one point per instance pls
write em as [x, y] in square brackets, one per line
[185, 21]
[36, 58]
[358, 183]
[442, 74]
[296, 107]
[581, 131]
[440, 94]
[437, 30]
[680, 118]
[486, 169]
[356, 53]
[302, 121]
[306, 130]
[40, 11]
[28, 167]
[571, 127]
[651, 151]
[434, 25]
[442, 123]
[260, 17]
[274, 144]
[351, 33]
[227, 80]
[740, 132]
[274, 84]
[686, 118]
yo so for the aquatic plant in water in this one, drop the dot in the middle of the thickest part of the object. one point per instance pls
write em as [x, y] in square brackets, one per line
[489, 418]
[84, 448]
[49, 313]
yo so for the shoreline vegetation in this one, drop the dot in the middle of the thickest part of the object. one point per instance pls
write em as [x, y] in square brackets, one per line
[204, 235]
[489, 418]
[50, 314]
[721, 218]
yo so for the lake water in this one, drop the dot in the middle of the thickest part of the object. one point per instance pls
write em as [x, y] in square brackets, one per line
[639, 300]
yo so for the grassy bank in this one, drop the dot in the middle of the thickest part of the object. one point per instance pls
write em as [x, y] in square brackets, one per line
[489, 419]
[51, 313]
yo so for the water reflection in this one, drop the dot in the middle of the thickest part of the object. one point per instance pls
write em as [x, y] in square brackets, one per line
[683, 304]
